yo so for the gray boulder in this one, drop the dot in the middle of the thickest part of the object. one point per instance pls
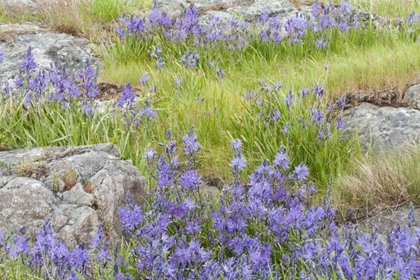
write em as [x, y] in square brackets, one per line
[385, 222]
[76, 188]
[173, 8]
[412, 95]
[252, 11]
[47, 48]
[383, 127]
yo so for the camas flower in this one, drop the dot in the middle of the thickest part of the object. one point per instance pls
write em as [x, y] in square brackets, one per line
[126, 97]
[339, 124]
[220, 73]
[238, 163]
[145, 78]
[301, 172]
[317, 116]
[190, 141]
[28, 64]
[236, 144]
[345, 7]
[189, 179]
[281, 160]
[130, 217]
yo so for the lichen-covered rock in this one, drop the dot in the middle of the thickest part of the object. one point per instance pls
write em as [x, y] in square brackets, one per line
[76, 188]
[383, 127]
[254, 10]
[173, 8]
[386, 221]
[47, 48]
[412, 95]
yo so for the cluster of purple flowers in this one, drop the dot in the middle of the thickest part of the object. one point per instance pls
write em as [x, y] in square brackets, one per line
[235, 35]
[266, 228]
[190, 58]
[49, 258]
[273, 112]
[56, 85]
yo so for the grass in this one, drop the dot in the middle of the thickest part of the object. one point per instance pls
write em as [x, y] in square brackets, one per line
[386, 8]
[359, 60]
[87, 17]
[381, 180]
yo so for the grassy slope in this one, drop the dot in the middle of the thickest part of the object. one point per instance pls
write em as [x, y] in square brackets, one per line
[383, 64]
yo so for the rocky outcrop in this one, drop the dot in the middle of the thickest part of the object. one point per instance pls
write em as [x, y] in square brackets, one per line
[387, 221]
[412, 95]
[47, 48]
[386, 125]
[383, 127]
[252, 10]
[76, 188]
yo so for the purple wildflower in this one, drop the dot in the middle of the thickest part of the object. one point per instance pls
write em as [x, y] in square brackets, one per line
[220, 73]
[1, 55]
[301, 172]
[238, 163]
[79, 258]
[72, 276]
[145, 78]
[324, 134]
[154, 16]
[319, 90]
[343, 26]
[236, 144]
[275, 115]
[191, 144]
[150, 154]
[18, 82]
[316, 8]
[339, 124]
[345, 7]
[285, 128]
[326, 22]
[130, 217]
[189, 180]
[304, 91]
[160, 63]
[126, 97]
[178, 82]
[296, 27]
[281, 159]
[19, 246]
[28, 64]
[317, 116]
[152, 89]
[320, 43]
[148, 112]
[87, 109]
[342, 101]
[289, 99]
[164, 170]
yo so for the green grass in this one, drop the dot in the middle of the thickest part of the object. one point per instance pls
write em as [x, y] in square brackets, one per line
[359, 60]
[386, 8]
[380, 180]
[87, 17]
[51, 125]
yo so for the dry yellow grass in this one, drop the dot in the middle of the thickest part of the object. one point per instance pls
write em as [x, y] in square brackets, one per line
[381, 180]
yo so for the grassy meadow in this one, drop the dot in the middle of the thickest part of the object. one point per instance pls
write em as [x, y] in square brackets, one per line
[252, 97]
